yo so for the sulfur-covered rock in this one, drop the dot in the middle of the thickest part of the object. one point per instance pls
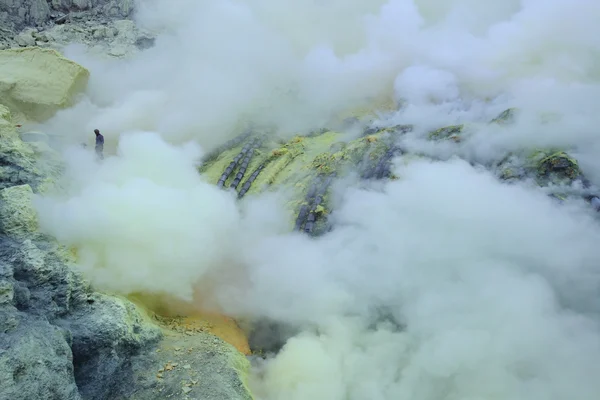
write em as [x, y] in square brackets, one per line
[552, 169]
[555, 167]
[447, 133]
[306, 165]
[33, 163]
[17, 164]
[35, 82]
[505, 117]
[559, 163]
[25, 39]
[17, 215]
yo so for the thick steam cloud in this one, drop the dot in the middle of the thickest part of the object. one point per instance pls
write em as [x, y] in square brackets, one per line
[444, 284]
[295, 65]
[143, 220]
[490, 285]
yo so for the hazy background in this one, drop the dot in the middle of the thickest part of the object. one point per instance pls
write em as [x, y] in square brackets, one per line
[489, 291]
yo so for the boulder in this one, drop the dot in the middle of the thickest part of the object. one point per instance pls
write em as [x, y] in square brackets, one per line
[35, 82]
[556, 167]
[106, 334]
[38, 363]
[25, 38]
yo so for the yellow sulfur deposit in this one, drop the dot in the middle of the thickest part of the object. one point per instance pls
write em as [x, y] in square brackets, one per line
[35, 82]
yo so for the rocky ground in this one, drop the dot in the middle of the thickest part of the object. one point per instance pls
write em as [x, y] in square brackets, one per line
[60, 339]
[104, 26]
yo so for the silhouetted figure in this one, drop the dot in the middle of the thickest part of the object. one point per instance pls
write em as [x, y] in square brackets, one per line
[99, 144]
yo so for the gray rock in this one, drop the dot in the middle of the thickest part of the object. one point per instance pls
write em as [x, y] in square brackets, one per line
[17, 14]
[99, 32]
[25, 38]
[93, 345]
[199, 366]
[117, 50]
[7, 293]
[37, 363]
[22, 163]
[44, 282]
[106, 334]
[17, 215]
[71, 5]
[144, 42]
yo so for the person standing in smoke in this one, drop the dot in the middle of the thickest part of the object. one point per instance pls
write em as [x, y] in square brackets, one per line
[99, 144]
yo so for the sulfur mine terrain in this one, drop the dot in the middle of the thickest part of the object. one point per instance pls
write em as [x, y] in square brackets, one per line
[63, 338]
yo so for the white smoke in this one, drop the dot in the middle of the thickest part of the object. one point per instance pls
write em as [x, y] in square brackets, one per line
[493, 286]
[144, 220]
